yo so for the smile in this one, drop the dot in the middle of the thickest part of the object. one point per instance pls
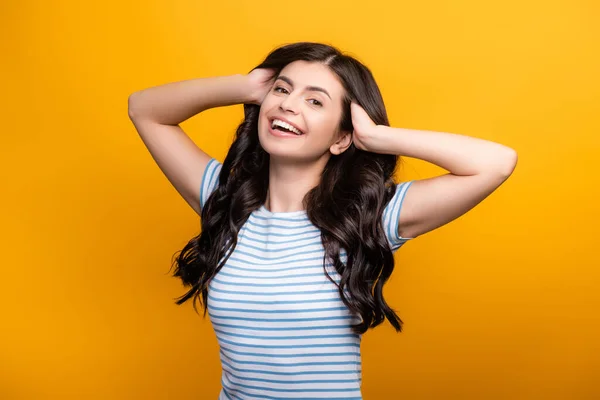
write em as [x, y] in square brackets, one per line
[283, 126]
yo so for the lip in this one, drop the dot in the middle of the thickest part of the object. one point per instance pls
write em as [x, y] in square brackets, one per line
[286, 121]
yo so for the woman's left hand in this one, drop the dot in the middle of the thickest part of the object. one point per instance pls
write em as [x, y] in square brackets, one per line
[366, 135]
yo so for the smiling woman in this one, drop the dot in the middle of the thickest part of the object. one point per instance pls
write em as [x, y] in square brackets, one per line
[300, 221]
[308, 98]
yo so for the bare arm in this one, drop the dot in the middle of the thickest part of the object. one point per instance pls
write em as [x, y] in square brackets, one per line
[173, 103]
[156, 113]
[476, 168]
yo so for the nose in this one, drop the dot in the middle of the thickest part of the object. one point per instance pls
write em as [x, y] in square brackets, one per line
[289, 103]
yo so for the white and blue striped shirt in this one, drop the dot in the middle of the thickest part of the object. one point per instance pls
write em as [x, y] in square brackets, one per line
[283, 331]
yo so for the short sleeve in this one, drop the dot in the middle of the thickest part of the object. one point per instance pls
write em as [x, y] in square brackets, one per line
[391, 215]
[210, 180]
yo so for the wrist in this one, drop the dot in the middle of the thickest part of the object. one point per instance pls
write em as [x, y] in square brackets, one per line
[245, 90]
[249, 92]
[383, 139]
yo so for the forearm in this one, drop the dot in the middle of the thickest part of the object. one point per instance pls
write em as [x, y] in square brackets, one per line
[459, 154]
[175, 102]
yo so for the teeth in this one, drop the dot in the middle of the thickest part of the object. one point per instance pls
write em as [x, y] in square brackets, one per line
[277, 122]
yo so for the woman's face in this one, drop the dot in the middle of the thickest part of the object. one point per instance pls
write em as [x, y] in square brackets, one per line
[307, 96]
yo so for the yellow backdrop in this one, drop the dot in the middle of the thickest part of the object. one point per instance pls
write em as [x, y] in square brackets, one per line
[500, 304]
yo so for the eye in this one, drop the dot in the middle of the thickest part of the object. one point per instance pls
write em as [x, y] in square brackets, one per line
[279, 88]
[316, 102]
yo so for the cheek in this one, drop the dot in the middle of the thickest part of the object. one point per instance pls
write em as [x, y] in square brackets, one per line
[266, 107]
[324, 128]
[269, 101]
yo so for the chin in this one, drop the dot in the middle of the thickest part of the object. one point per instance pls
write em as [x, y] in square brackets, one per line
[279, 150]
[275, 148]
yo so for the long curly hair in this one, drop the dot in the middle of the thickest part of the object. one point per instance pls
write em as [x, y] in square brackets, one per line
[347, 205]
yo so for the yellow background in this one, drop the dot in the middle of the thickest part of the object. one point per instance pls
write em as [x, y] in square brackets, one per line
[500, 304]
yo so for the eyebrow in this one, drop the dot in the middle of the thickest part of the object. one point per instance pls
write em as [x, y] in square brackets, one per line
[311, 88]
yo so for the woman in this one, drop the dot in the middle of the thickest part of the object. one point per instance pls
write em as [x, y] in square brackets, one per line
[300, 221]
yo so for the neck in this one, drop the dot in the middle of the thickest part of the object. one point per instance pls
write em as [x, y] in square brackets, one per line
[289, 181]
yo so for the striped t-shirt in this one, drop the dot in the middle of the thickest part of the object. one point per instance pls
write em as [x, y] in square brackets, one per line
[282, 329]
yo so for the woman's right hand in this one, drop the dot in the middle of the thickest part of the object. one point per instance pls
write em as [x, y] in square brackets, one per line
[260, 81]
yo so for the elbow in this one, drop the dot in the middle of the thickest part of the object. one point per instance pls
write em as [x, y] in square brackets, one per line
[507, 162]
[500, 165]
[131, 105]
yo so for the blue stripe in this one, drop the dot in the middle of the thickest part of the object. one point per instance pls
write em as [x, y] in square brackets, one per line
[276, 259]
[309, 226]
[295, 240]
[302, 364]
[283, 234]
[269, 329]
[225, 389]
[302, 267]
[286, 248]
[303, 301]
[394, 215]
[287, 219]
[212, 182]
[390, 211]
[310, 310]
[268, 302]
[275, 263]
[244, 353]
[226, 395]
[289, 346]
[345, 336]
[407, 185]
[342, 317]
[352, 372]
[264, 396]
[324, 390]
[291, 382]
[324, 282]
[333, 290]
[206, 169]
[321, 274]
